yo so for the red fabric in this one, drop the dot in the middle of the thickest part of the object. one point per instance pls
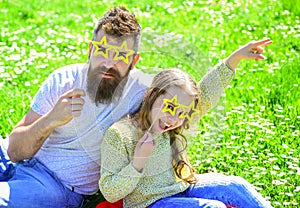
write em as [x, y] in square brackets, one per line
[106, 204]
[119, 204]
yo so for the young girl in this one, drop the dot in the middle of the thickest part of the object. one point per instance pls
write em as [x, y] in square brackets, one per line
[144, 161]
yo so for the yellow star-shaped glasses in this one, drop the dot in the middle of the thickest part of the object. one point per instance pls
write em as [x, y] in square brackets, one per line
[101, 47]
[171, 105]
[122, 52]
[192, 111]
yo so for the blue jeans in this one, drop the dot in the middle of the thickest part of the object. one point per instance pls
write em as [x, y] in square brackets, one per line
[31, 184]
[6, 166]
[216, 190]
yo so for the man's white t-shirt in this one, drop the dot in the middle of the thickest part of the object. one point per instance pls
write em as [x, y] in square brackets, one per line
[72, 151]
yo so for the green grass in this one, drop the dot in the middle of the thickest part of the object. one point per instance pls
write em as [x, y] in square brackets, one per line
[253, 132]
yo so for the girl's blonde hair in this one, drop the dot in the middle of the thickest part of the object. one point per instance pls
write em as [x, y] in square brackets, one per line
[161, 82]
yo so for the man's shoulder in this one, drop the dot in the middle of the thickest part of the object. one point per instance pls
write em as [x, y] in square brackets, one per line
[145, 79]
[69, 74]
[72, 68]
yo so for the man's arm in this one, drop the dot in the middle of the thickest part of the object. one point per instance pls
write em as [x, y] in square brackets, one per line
[31, 132]
[28, 136]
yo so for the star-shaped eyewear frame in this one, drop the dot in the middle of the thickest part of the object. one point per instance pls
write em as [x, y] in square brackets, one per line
[175, 105]
[122, 52]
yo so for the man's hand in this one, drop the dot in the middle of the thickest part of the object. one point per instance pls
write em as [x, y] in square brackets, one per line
[68, 106]
[31, 132]
[143, 150]
[252, 50]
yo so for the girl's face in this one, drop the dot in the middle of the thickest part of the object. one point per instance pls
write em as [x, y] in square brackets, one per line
[168, 109]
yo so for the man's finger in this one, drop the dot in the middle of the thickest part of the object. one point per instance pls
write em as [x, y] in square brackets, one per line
[76, 101]
[78, 93]
[74, 93]
[76, 113]
[77, 107]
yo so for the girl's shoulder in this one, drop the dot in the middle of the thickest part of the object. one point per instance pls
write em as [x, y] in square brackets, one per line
[124, 130]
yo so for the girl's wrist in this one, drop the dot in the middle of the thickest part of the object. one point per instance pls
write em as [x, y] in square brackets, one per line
[232, 61]
[137, 167]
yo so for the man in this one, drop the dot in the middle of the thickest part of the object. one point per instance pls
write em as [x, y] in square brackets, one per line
[57, 143]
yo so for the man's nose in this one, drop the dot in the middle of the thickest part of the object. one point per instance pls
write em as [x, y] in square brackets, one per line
[109, 61]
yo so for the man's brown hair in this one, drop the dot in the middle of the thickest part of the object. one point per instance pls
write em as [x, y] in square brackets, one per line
[119, 22]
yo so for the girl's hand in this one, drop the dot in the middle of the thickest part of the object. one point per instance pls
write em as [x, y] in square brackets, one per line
[143, 150]
[252, 50]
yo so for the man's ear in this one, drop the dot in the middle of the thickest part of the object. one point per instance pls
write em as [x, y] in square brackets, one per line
[90, 49]
[135, 59]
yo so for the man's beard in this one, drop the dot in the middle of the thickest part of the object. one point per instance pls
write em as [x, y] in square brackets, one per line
[105, 90]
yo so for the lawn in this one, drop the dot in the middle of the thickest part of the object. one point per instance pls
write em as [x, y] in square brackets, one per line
[253, 132]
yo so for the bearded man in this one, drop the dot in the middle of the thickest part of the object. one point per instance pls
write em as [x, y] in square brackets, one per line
[56, 146]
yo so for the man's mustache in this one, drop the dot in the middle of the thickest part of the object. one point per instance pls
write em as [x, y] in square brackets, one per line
[111, 71]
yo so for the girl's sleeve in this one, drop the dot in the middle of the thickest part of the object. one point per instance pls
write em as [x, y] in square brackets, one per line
[212, 86]
[118, 177]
